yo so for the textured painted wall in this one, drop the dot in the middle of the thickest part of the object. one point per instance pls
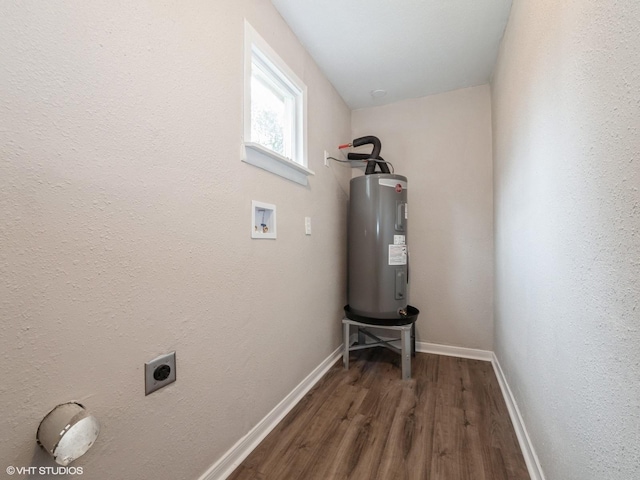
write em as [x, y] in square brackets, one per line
[566, 103]
[442, 143]
[125, 231]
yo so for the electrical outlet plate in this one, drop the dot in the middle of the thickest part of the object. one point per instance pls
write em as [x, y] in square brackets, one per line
[326, 158]
[307, 225]
[159, 372]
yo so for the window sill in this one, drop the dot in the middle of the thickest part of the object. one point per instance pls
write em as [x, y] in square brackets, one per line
[261, 157]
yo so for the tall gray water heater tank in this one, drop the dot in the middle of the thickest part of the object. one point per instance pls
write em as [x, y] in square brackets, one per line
[377, 246]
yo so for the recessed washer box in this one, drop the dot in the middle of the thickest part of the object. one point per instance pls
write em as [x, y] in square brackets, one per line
[263, 220]
[159, 372]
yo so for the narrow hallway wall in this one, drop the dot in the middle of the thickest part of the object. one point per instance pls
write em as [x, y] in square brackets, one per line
[566, 125]
[125, 231]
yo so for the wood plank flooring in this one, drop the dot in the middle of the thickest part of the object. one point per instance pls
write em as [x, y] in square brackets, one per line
[449, 422]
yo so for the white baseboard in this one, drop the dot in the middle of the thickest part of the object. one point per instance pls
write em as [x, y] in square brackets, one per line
[241, 450]
[472, 353]
[530, 457]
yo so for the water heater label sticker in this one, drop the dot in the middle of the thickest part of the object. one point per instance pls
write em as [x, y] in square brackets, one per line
[397, 254]
[398, 240]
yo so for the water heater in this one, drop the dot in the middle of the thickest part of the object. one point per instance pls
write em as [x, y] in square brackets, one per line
[377, 251]
[377, 248]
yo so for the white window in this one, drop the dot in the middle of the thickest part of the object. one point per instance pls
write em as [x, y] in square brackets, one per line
[274, 112]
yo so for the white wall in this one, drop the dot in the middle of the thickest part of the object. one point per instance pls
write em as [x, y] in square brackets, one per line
[125, 231]
[566, 99]
[442, 143]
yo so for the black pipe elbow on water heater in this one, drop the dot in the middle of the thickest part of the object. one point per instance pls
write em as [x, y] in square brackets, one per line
[374, 157]
[371, 164]
[380, 163]
[369, 139]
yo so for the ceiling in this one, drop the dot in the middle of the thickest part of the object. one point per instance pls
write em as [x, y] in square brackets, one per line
[408, 48]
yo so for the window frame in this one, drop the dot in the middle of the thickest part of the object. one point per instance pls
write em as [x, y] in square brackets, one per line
[293, 165]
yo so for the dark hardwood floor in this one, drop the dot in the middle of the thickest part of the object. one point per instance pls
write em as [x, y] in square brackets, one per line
[449, 422]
